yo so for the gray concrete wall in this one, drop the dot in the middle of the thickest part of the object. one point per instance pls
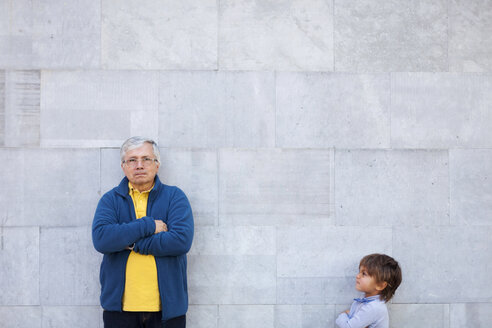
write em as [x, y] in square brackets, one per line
[306, 134]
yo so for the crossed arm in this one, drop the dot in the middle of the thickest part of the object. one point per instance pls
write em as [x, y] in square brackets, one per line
[149, 235]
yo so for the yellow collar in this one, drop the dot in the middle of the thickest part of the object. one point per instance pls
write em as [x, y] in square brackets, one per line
[132, 189]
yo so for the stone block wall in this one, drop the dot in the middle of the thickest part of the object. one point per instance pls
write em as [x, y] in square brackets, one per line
[306, 134]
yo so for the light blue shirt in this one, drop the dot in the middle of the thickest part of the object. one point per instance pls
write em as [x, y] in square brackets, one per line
[366, 312]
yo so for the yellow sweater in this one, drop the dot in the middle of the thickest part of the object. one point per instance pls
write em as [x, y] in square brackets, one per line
[141, 286]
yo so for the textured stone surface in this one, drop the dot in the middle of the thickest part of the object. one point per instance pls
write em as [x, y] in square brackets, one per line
[22, 106]
[72, 316]
[274, 186]
[243, 316]
[20, 317]
[441, 110]
[232, 266]
[470, 36]
[392, 187]
[217, 109]
[241, 240]
[471, 188]
[111, 171]
[470, 315]
[419, 315]
[2, 108]
[48, 34]
[202, 316]
[231, 279]
[396, 35]
[435, 258]
[69, 269]
[304, 316]
[156, 34]
[195, 172]
[50, 187]
[97, 108]
[333, 110]
[19, 263]
[315, 290]
[323, 251]
[281, 35]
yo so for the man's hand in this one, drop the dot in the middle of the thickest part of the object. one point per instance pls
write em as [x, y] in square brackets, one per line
[160, 226]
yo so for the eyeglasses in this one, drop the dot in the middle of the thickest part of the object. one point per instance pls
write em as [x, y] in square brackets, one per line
[146, 161]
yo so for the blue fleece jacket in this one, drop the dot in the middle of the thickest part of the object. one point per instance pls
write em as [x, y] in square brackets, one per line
[115, 227]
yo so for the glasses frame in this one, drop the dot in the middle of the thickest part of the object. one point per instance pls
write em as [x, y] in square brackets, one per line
[146, 161]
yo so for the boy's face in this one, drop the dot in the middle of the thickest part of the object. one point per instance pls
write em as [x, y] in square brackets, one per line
[367, 284]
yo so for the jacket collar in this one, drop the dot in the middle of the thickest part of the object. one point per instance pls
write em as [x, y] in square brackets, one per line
[123, 190]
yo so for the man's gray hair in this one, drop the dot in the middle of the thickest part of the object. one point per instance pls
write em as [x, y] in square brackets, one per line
[135, 142]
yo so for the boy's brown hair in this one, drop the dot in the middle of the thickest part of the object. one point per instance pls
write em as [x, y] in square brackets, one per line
[383, 268]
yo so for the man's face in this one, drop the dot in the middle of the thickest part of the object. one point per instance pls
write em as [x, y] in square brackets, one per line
[140, 173]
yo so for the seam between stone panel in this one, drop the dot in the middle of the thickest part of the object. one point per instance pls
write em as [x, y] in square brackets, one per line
[391, 76]
[100, 33]
[447, 37]
[335, 204]
[275, 108]
[449, 185]
[218, 35]
[100, 173]
[276, 267]
[39, 270]
[217, 156]
[333, 34]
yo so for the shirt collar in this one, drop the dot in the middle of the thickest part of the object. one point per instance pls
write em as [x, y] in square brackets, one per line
[131, 189]
[367, 299]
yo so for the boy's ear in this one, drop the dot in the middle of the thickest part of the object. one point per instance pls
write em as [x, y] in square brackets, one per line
[381, 286]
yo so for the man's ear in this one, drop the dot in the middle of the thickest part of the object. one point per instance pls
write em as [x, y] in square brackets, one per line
[381, 286]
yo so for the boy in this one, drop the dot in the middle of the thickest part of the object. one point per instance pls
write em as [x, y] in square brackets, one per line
[379, 277]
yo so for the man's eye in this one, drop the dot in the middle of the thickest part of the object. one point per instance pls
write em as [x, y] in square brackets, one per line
[132, 160]
[146, 159]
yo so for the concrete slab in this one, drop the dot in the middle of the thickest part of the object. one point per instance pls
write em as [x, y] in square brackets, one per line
[19, 269]
[243, 316]
[22, 107]
[419, 315]
[391, 187]
[471, 190]
[396, 36]
[69, 275]
[47, 177]
[304, 316]
[434, 258]
[285, 35]
[72, 316]
[159, 35]
[333, 110]
[20, 316]
[470, 315]
[274, 186]
[470, 36]
[231, 279]
[97, 108]
[202, 316]
[324, 251]
[441, 110]
[217, 109]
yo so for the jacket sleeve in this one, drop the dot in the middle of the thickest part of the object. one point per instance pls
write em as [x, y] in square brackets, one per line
[109, 236]
[177, 240]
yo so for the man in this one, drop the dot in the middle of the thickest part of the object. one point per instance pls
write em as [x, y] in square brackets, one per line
[144, 228]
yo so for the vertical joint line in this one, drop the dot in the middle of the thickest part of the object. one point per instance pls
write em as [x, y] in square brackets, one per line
[217, 156]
